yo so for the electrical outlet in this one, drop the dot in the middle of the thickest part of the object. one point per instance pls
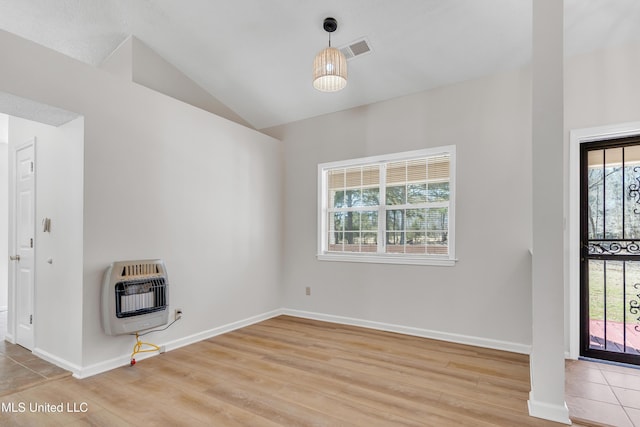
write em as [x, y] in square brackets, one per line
[178, 314]
[162, 349]
[307, 290]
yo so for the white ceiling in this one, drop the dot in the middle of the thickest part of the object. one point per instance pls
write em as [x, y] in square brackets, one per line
[255, 56]
[32, 110]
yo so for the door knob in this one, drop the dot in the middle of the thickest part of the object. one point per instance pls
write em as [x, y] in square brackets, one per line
[14, 257]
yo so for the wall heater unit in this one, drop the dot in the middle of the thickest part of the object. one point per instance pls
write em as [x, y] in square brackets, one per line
[135, 296]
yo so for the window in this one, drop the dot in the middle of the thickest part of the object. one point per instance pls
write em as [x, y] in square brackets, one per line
[397, 208]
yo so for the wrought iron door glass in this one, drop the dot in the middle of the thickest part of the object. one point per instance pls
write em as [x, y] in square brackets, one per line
[611, 251]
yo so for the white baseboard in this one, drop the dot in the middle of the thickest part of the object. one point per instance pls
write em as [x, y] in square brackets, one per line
[64, 364]
[107, 365]
[419, 332]
[191, 339]
[547, 411]
[9, 338]
[125, 359]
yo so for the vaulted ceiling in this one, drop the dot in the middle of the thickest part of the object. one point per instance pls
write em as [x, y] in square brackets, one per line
[255, 56]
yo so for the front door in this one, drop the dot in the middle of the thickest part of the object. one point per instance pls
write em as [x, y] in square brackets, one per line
[610, 250]
[23, 256]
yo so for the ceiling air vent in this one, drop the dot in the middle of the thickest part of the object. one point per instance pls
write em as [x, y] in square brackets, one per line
[356, 48]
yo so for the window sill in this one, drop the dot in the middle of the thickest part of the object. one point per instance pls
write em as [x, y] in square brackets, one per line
[388, 259]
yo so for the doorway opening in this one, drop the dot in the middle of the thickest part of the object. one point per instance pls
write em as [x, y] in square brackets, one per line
[4, 224]
[60, 139]
[610, 250]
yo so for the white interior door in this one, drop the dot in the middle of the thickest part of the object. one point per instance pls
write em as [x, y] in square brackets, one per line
[23, 257]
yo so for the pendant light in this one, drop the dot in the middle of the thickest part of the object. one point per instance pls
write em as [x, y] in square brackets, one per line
[330, 65]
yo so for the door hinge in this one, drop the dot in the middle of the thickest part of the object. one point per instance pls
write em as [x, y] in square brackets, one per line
[31, 319]
[31, 167]
[31, 242]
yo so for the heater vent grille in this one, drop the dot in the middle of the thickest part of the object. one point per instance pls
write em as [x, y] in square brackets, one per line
[142, 269]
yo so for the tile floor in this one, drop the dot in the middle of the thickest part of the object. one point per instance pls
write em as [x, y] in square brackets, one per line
[19, 368]
[603, 393]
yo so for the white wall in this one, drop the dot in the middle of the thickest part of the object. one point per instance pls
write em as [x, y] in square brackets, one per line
[174, 182]
[601, 88]
[488, 293]
[59, 196]
[168, 180]
[135, 61]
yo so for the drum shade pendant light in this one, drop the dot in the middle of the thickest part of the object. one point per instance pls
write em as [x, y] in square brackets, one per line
[330, 65]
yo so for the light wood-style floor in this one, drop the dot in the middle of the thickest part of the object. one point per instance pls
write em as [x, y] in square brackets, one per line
[294, 372]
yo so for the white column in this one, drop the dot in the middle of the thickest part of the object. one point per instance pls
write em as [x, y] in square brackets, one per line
[546, 399]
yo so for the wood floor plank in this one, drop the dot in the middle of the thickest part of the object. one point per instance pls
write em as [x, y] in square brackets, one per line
[289, 371]
[307, 389]
[426, 380]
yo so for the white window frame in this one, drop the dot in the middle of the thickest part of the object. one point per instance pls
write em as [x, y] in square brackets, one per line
[382, 257]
